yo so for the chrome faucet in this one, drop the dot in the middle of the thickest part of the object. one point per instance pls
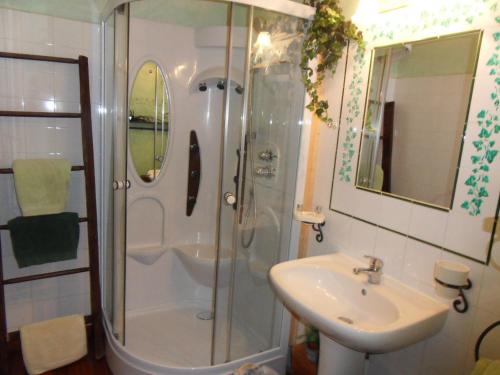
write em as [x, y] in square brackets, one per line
[374, 270]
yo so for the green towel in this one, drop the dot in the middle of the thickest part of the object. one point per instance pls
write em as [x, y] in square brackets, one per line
[45, 238]
[41, 185]
[486, 367]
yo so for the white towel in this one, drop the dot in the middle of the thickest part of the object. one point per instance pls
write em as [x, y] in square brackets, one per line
[53, 343]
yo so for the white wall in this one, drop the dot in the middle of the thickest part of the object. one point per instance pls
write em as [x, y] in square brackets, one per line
[451, 351]
[39, 86]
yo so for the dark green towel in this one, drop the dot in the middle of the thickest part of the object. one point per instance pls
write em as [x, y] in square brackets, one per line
[45, 238]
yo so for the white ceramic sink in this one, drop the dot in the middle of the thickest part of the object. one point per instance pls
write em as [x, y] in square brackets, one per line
[364, 317]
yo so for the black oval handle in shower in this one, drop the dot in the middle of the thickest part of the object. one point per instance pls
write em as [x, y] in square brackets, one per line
[194, 173]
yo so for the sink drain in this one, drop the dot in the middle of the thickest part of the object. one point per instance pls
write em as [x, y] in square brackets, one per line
[346, 320]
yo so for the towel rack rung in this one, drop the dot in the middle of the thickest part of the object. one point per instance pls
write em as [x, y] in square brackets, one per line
[73, 168]
[23, 279]
[25, 56]
[40, 114]
[81, 220]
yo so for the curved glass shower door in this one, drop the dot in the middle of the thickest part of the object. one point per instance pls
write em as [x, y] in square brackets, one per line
[187, 251]
[262, 134]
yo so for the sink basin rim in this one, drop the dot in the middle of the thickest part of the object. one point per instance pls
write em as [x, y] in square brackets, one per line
[409, 328]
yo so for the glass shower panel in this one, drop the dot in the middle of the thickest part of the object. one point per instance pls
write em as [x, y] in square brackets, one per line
[169, 292]
[107, 139]
[269, 128]
[232, 164]
[115, 166]
[274, 116]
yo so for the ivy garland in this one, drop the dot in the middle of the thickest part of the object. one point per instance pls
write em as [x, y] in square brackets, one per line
[327, 35]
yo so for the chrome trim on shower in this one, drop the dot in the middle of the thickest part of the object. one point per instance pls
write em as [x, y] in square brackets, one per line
[291, 8]
[229, 58]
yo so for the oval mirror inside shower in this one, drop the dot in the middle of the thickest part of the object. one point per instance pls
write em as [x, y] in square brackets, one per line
[148, 123]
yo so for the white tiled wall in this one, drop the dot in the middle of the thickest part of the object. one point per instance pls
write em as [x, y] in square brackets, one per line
[451, 351]
[41, 86]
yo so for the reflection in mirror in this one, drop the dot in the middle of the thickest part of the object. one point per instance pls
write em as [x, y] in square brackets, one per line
[415, 116]
[148, 121]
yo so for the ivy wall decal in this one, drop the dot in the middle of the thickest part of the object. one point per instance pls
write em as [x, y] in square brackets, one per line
[353, 111]
[486, 152]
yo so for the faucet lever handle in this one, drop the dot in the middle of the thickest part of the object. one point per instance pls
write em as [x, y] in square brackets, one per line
[375, 263]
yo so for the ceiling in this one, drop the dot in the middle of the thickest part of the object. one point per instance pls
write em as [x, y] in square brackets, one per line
[81, 10]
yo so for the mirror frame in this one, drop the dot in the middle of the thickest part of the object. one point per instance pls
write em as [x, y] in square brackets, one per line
[170, 112]
[464, 126]
[476, 242]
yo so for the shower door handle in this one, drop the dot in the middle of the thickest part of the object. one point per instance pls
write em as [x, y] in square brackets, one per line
[120, 185]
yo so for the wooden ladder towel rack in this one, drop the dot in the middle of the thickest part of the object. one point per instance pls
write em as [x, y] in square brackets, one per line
[95, 319]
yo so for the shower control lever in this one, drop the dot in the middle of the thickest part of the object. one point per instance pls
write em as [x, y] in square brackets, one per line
[265, 171]
[229, 198]
[267, 155]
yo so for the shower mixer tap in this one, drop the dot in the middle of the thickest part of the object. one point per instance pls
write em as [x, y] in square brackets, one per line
[267, 155]
[265, 172]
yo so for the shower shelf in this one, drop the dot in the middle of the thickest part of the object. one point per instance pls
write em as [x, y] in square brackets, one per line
[146, 255]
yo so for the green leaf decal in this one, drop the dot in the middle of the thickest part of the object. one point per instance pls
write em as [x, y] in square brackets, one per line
[483, 192]
[471, 181]
[490, 155]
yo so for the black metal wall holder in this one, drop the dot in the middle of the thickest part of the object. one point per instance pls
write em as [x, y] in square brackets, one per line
[317, 227]
[460, 304]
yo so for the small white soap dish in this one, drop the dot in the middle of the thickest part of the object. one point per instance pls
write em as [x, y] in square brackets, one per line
[309, 217]
[315, 218]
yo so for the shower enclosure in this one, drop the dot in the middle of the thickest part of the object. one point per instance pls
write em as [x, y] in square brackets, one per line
[203, 106]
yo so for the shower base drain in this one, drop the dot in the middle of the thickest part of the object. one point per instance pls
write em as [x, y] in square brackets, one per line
[205, 315]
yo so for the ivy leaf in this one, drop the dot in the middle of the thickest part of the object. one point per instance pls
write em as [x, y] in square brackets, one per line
[484, 133]
[496, 36]
[483, 192]
[481, 114]
[490, 155]
[477, 201]
[471, 181]
[465, 205]
[485, 179]
[485, 167]
[493, 61]
[478, 145]
[496, 129]
[475, 159]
